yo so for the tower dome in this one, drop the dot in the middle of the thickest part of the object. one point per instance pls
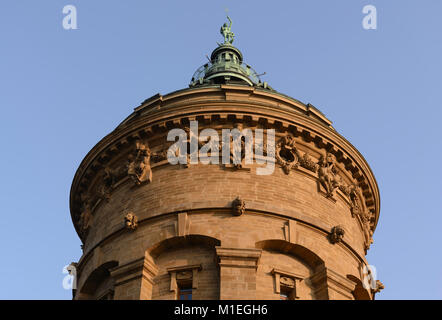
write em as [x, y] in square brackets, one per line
[291, 217]
[226, 65]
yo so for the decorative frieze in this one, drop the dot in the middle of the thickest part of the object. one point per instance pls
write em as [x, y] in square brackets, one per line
[287, 155]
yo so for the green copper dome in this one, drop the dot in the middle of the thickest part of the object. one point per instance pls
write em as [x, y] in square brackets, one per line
[226, 65]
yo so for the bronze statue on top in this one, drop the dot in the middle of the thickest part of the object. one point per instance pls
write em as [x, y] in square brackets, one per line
[226, 31]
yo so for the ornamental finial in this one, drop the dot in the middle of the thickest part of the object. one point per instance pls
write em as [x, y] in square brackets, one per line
[226, 32]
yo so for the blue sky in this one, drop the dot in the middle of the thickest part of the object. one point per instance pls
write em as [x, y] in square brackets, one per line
[61, 91]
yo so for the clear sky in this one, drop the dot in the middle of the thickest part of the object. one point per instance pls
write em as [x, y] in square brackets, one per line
[61, 91]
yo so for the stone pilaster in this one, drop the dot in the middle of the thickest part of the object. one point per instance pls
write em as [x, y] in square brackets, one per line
[332, 286]
[134, 280]
[238, 272]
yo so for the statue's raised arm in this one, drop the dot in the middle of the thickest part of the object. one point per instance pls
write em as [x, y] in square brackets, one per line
[227, 32]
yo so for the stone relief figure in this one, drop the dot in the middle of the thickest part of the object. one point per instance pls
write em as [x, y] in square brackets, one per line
[366, 225]
[337, 234]
[131, 221]
[355, 208]
[351, 191]
[138, 166]
[109, 180]
[86, 217]
[308, 163]
[238, 206]
[190, 136]
[327, 174]
[231, 147]
[286, 153]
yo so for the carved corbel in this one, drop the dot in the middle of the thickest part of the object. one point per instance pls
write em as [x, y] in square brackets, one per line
[131, 221]
[337, 234]
[238, 206]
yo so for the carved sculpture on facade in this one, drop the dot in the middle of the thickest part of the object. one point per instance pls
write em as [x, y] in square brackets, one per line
[379, 286]
[355, 201]
[238, 206]
[337, 234]
[159, 156]
[286, 153]
[366, 226]
[238, 165]
[190, 137]
[327, 174]
[352, 191]
[109, 181]
[86, 218]
[286, 281]
[131, 221]
[308, 163]
[138, 167]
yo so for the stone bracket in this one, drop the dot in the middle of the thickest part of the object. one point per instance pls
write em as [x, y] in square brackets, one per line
[183, 224]
[290, 231]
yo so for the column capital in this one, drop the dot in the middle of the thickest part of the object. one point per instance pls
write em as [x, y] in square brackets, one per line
[238, 257]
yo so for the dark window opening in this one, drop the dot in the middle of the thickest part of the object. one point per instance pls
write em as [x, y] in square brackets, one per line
[185, 291]
[286, 293]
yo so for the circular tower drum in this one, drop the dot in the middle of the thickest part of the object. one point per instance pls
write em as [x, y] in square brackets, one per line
[225, 190]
